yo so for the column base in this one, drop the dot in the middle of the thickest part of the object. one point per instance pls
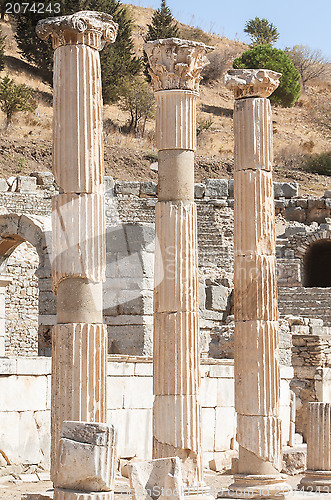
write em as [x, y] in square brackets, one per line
[316, 480]
[254, 486]
[62, 494]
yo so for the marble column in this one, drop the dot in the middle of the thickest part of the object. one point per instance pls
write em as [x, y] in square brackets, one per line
[175, 67]
[4, 281]
[257, 379]
[78, 252]
[318, 474]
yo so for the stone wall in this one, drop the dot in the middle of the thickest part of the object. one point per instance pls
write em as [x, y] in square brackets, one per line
[130, 248]
[25, 407]
[22, 303]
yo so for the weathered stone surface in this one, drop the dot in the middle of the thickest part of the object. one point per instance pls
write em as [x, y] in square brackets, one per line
[217, 188]
[160, 478]
[3, 185]
[26, 184]
[45, 179]
[86, 457]
[78, 243]
[85, 395]
[175, 107]
[327, 193]
[199, 190]
[148, 188]
[93, 29]
[127, 187]
[252, 82]
[176, 64]
[217, 297]
[286, 189]
[294, 459]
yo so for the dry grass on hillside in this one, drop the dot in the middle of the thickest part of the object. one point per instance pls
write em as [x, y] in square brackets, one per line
[26, 147]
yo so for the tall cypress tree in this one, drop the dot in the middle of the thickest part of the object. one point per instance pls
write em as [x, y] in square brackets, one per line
[118, 61]
[163, 25]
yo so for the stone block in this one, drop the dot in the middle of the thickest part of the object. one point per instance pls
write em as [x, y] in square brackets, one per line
[44, 179]
[199, 190]
[120, 369]
[222, 370]
[115, 392]
[286, 189]
[208, 392]
[127, 187]
[143, 369]
[222, 460]
[86, 457]
[315, 322]
[217, 297]
[217, 188]
[160, 478]
[38, 496]
[148, 188]
[294, 459]
[295, 214]
[208, 418]
[135, 302]
[3, 185]
[13, 387]
[136, 340]
[225, 428]
[327, 193]
[138, 392]
[8, 366]
[225, 392]
[26, 184]
[134, 429]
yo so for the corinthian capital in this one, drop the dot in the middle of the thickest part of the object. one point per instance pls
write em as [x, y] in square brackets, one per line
[252, 82]
[176, 64]
[94, 29]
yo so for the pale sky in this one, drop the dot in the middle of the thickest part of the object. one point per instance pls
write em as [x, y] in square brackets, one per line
[305, 22]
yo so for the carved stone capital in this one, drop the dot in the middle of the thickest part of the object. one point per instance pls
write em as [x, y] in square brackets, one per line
[252, 82]
[94, 29]
[176, 64]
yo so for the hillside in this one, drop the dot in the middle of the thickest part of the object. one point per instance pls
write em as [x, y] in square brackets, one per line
[26, 146]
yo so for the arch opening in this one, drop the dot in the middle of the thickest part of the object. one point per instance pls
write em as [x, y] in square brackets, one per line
[317, 265]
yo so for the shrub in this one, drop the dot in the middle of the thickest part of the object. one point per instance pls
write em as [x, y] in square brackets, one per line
[266, 57]
[14, 98]
[2, 51]
[310, 63]
[318, 163]
[194, 33]
[138, 100]
[219, 61]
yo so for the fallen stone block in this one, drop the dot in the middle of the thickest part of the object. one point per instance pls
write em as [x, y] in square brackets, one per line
[294, 459]
[217, 188]
[26, 184]
[127, 187]
[222, 460]
[199, 190]
[327, 193]
[45, 179]
[123, 465]
[86, 457]
[156, 479]
[3, 185]
[148, 188]
[286, 189]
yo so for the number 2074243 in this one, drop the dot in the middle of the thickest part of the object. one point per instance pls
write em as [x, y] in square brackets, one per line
[37, 7]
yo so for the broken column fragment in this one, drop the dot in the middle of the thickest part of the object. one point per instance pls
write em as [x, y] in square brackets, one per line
[175, 67]
[257, 378]
[158, 479]
[318, 473]
[86, 457]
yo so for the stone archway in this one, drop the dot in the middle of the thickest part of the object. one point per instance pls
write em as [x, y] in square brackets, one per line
[14, 230]
[317, 264]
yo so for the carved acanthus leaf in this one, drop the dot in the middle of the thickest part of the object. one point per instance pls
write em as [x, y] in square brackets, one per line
[176, 64]
[86, 27]
[252, 82]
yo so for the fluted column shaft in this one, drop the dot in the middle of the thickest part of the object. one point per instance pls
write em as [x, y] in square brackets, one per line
[318, 473]
[176, 356]
[257, 378]
[79, 353]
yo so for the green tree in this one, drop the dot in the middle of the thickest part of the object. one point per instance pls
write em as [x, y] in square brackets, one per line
[310, 63]
[138, 100]
[261, 31]
[117, 60]
[163, 25]
[14, 98]
[266, 57]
